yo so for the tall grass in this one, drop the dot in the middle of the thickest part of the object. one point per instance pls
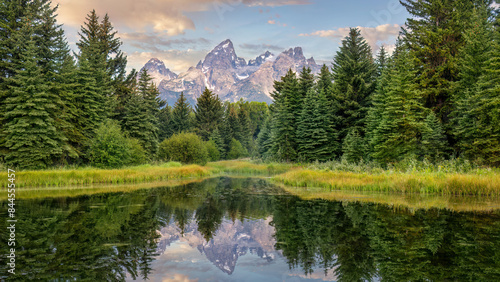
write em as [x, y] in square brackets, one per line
[86, 176]
[483, 184]
[399, 200]
[249, 168]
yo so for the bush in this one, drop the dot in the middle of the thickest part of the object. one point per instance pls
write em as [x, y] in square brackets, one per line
[185, 148]
[109, 148]
[213, 152]
[236, 150]
[138, 154]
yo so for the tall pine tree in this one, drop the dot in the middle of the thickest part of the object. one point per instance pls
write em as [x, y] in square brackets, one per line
[180, 115]
[209, 112]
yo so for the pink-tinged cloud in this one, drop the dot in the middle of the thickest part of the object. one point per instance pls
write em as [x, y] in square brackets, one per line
[372, 35]
[166, 16]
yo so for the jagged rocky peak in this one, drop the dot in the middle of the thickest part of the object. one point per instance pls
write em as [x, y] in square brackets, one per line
[199, 65]
[261, 59]
[157, 70]
[223, 56]
[311, 62]
[295, 53]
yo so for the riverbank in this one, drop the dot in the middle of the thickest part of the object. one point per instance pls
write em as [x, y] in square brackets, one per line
[448, 179]
[68, 177]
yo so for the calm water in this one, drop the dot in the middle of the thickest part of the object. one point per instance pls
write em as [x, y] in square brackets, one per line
[229, 229]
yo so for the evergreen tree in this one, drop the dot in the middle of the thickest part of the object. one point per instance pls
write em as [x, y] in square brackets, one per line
[284, 117]
[402, 113]
[217, 139]
[435, 36]
[142, 112]
[165, 126]
[209, 113]
[245, 128]
[264, 139]
[381, 60]
[434, 144]
[31, 137]
[325, 84]
[354, 81]
[180, 115]
[306, 82]
[473, 60]
[313, 128]
[354, 147]
[484, 108]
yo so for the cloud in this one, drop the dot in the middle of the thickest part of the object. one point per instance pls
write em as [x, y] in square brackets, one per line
[176, 60]
[274, 3]
[261, 47]
[155, 42]
[271, 22]
[167, 16]
[372, 35]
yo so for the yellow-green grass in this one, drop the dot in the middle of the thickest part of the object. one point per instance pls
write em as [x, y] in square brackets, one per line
[87, 176]
[426, 183]
[248, 167]
[74, 191]
[398, 200]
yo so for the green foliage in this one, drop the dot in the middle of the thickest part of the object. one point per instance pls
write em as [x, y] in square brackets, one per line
[354, 82]
[284, 118]
[181, 121]
[141, 119]
[109, 147]
[185, 148]
[236, 150]
[138, 155]
[434, 142]
[354, 147]
[209, 112]
[264, 142]
[400, 113]
[212, 150]
[30, 136]
[313, 130]
[165, 128]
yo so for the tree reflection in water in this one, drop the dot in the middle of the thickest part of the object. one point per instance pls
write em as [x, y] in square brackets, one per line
[106, 237]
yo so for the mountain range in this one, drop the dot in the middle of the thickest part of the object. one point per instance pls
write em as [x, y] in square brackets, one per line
[227, 75]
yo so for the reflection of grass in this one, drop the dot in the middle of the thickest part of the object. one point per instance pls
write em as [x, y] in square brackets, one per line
[426, 183]
[86, 176]
[48, 192]
[398, 200]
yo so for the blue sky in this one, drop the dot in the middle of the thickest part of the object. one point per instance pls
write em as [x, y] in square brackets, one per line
[181, 32]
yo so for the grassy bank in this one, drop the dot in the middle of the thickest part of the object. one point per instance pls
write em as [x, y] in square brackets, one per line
[450, 178]
[487, 184]
[69, 177]
[86, 176]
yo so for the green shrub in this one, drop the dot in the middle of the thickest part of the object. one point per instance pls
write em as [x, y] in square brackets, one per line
[109, 148]
[213, 152]
[137, 153]
[185, 148]
[236, 150]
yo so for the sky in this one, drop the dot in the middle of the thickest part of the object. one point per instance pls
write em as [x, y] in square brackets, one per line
[182, 32]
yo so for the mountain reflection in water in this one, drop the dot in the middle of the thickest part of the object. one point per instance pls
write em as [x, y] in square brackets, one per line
[243, 229]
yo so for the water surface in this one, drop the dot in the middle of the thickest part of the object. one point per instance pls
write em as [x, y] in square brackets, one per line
[244, 229]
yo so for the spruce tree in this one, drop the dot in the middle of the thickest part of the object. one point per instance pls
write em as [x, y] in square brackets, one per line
[31, 137]
[209, 112]
[180, 115]
[246, 135]
[435, 36]
[284, 118]
[381, 60]
[434, 144]
[473, 59]
[402, 113]
[354, 147]
[217, 139]
[354, 82]
[141, 120]
[264, 142]
[165, 123]
[313, 128]
[306, 82]
[484, 108]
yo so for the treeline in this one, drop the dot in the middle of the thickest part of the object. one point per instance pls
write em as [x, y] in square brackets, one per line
[59, 107]
[436, 97]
